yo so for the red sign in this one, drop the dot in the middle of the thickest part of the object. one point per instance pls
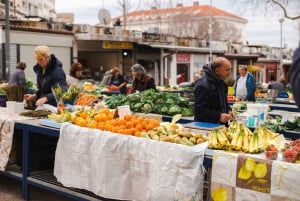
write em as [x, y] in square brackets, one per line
[183, 58]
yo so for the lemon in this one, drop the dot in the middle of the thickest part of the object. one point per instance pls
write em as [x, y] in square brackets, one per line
[250, 164]
[260, 170]
[220, 194]
[244, 173]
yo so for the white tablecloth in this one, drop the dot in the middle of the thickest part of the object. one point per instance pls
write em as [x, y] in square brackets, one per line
[7, 123]
[126, 167]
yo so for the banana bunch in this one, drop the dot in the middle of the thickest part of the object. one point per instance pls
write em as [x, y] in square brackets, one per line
[240, 140]
[260, 139]
[232, 129]
[64, 116]
[268, 135]
[239, 137]
[218, 140]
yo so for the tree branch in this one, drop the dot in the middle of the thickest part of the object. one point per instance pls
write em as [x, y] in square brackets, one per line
[285, 12]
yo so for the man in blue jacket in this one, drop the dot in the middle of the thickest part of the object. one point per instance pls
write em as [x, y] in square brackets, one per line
[295, 76]
[245, 85]
[211, 93]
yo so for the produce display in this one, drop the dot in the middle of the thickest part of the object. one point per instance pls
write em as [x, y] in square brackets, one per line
[130, 124]
[170, 132]
[64, 116]
[36, 113]
[85, 99]
[291, 151]
[151, 101]
[239, 137]
[271, 152]
[276, 125]
[68, 94]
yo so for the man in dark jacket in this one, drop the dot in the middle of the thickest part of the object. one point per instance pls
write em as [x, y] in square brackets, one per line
[295, 76]
[49, 73]
[211, 93]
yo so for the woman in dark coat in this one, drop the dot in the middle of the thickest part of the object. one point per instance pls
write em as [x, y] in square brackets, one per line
[18, 77]
[49, 73]
[118, 80]
[141, 81]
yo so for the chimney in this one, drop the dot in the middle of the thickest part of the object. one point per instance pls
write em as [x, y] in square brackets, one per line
[195, 3]
[179, 5]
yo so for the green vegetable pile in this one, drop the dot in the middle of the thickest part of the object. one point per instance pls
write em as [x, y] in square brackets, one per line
[276, 125]
[151, 101]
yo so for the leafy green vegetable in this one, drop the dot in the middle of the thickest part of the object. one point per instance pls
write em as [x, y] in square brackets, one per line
[147, 108]
[175, 109]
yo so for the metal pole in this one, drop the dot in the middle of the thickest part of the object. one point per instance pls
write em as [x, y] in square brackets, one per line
[210, 32]
[281, 20]
[7, 42]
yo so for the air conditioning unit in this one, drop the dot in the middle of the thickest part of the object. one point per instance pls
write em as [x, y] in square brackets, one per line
[84, 28]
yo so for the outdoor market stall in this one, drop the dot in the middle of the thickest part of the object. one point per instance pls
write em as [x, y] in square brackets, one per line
[125, 167]
[132, 157]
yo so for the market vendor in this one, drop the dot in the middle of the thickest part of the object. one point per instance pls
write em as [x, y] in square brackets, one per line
[75, 73]
[141, 81]
[49, 72]
[118, 80]
[211, 93]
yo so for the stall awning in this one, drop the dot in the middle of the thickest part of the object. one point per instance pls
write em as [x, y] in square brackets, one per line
[252, 68]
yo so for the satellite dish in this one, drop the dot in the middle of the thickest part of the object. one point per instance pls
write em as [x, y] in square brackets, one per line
[104, 17]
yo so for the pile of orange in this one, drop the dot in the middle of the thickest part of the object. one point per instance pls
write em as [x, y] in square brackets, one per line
[103, 120]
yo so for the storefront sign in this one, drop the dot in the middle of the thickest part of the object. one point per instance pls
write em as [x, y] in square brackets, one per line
[117, 45]
[183, 58]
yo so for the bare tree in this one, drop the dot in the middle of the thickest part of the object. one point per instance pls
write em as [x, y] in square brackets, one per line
[286, 8]
[125, 6]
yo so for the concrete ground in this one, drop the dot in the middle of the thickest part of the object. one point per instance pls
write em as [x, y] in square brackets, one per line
[10, 190]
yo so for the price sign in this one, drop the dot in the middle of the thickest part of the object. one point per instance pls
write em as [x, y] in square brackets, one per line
[123, 110]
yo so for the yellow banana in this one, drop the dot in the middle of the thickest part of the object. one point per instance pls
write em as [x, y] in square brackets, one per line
[245, 140]
[215, 139]
[210, 140]
[235, 138]
[251, 144]
[55, 117]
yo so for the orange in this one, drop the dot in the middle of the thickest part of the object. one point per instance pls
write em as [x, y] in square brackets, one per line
[110, 116]
[100, 125]
[83, 114]
[140, 118]
[92, 124]
[105, 111]
[138, 133]
[82, 122]
[149, 127]
[129, 124]
[144, 124]
[139, 127]
[128, 117]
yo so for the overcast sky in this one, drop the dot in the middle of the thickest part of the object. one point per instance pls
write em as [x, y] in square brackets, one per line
[260, 29]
